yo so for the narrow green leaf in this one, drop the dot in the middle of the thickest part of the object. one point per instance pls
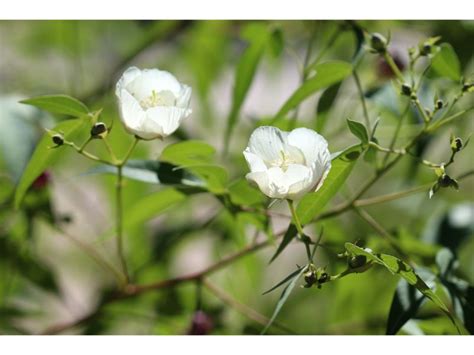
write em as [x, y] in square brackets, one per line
[327, 74]
[246, 68]
[446, 63]
[44, 156]
[283, 298]
[284, 281]
[62, 104]
[151, 206]
[399, 267]
[325, 104]
[287, 238]
[313, 203]
[358, 130]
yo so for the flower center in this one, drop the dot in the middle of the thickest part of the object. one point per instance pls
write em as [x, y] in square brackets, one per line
[287, 158]
[162, 98]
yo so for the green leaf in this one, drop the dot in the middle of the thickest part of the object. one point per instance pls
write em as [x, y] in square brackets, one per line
[44, 156]
[399, 267]
[283, 298]
[155, 172]
[446, 63]
[197, 157]
[241, 193]
[62, 104]
[358, 130]
[284, 281]
[287, 238]
[325, 104]
[258, 35]
[277, 42]
[313, 203]
[188, 153]
[327, 74]
[406, 302]
[152, 205]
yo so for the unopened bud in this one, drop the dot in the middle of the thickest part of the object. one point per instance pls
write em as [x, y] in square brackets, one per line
[58, 139]
[456, 144]
[357, 261]
[439, 104]
[98, 130]
[468, 87]
[406, 90]
[378, 43]
[425, 49]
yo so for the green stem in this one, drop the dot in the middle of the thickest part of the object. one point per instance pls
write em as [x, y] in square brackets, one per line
[129, 152]
[362, 98]
[119, 223]
[109, 149]
[88, 155]
[388, 58]
[299, 228]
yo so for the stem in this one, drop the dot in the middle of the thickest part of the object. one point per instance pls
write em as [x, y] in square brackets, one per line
[299, 228]
[362, 97]
[88, 155]
[109, 149]
[119, 223]
[129, 152]
[388, 58]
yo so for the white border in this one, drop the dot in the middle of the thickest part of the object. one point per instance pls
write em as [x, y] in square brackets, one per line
[234, 345]
[237, 9]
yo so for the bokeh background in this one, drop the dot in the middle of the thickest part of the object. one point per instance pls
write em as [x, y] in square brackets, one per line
[45, 279]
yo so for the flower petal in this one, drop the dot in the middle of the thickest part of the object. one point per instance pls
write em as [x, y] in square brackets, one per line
[254, 162]
[127, 77]
[168, 118]
[185, 96]
[151, 80]
[309, 143]
[131, 113]
[268, 143]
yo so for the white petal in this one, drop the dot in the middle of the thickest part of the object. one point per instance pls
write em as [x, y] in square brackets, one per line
[321, 171]
[254, 162]
[131, 113]
[268, 143]
[151, 80]
[260, 178]
[167, 118]
[185, 96]
[309, 143]
[300, 179]
[127, 77]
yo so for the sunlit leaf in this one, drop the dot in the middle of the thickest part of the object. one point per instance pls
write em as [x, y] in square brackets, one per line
[152, 206]
[62, 104]
[446, 63]
[341, 167]
[284, 281]
[327, 74]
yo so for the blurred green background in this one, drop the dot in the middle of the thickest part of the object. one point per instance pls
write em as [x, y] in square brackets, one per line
[45, 279]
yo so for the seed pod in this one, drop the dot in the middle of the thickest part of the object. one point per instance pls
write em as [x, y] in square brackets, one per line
[378, 43]
[98, 130]
[357, 261]
[406, 89]
[58, 139]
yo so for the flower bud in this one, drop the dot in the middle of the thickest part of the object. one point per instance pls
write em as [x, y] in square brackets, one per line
[425, 49]
[468, 87]
[357, 261]
[310, 278]
[406, 89]
[378, 43]
[99, 130]
[439, 104]
[58, 139]
[42, 181]
[201, 324]
[456, 144]
[446, 181]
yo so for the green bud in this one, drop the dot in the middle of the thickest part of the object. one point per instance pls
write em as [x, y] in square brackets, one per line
[468, 87]
[357, 261]
[378, 43]
[98, 130]
[456, 144]
[58, 139]
[406, 89]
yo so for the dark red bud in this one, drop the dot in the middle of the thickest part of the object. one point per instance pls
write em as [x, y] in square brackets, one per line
[201, 324]
[42, 181]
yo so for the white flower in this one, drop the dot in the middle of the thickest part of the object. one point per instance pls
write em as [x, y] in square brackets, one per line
[287, 165]
[152, 102]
